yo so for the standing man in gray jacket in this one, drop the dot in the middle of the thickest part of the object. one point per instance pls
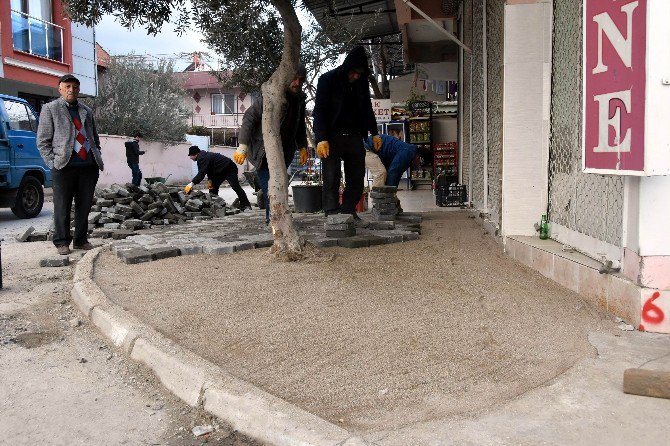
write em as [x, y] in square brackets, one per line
[69, 143]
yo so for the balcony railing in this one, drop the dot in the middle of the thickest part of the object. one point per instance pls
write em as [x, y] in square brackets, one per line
[217, 121]
[37, 37]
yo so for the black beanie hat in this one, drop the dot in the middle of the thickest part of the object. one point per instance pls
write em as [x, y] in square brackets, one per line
[193, 150]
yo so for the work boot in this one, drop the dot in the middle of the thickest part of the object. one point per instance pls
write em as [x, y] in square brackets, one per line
[85, 246]
[63, 250]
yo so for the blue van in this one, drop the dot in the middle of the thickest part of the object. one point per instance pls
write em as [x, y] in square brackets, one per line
[23, 173]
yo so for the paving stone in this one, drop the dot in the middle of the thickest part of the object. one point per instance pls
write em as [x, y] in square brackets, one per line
[136, 207]
[219, 248]
[112, 225]
[138, 255]
[385, 207]
[121, 234]
[164, 252]
[340, 227]
[55, 261]
[338, 219]
[243, 245]
[189, 249]
[346, 233]
[123, 192]
[383, 217]
[323, 242]
[407, 236]
[261, 240]
[132, 224]
[102, 233]
[93, 217]
[390, 236]
[381, 225]
[23, 237]
[123, 200]
[118, 217]
[202, 217]
[378, 197]
[376, 240]
[38, 237]
[385, 189]
[357, 241]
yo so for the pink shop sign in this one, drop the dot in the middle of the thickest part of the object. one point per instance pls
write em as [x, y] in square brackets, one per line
[615, 41]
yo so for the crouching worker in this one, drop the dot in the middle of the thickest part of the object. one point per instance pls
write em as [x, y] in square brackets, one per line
[218, 169]
[292, 129]
[395, 155]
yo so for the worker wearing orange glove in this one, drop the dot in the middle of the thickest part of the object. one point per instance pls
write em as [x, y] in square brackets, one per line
[343, 116]
[292, 130]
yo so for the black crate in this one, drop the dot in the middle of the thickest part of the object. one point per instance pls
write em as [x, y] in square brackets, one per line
[450, 195]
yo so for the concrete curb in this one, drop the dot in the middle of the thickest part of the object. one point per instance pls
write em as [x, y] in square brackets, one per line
[198, 382]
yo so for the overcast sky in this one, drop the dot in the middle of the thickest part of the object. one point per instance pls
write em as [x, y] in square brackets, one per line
[116, 40]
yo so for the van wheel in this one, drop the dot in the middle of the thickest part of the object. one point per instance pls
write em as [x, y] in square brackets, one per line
[29, 199]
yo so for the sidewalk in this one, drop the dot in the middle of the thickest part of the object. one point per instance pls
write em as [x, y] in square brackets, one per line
[441, 340]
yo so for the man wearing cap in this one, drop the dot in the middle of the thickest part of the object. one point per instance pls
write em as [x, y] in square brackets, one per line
[218, 169]
[69, 144]
[292, 129]
[343, 116]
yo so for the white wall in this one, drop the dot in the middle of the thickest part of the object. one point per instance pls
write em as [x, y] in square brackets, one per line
[158, 161]
[526, 103]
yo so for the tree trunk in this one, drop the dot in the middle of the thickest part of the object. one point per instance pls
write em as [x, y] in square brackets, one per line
[288, 245]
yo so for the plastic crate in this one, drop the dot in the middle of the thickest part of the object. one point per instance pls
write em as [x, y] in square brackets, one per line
[454, 195]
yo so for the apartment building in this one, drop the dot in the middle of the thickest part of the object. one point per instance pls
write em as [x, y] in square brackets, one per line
[38, 45]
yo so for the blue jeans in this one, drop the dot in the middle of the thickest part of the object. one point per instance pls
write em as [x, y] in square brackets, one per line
[137, 173]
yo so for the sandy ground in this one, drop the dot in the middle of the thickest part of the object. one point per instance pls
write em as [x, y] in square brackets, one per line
[63, 383]
[378, 338]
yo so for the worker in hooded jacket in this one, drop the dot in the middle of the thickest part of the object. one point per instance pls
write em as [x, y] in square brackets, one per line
[343, 116]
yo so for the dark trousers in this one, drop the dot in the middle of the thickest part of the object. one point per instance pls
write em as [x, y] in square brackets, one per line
[70, 183]
[229, 175]
[137, 173]
[264, 179]
[347, 148]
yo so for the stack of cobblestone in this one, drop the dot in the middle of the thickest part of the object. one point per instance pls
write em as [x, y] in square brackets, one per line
[340, 225]
[131, 207]
[384, 203]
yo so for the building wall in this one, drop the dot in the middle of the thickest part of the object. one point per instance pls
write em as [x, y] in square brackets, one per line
[202, 108]
[478, 135]
[28, 73]
[466, 96]
[585, 210]
[495, 76]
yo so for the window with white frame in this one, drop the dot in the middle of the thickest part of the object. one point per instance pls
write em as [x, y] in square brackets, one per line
[224, 104]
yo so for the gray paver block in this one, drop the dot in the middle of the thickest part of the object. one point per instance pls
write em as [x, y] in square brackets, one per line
[23, 237]
[218, 248]
[55, 261]
[189, 249]
[38, 237]
[94, 217]
[340, 234]
[340, 227]
[382, 225]
[164, 252]
[357, 241]
[243, 245]
[112, 225]
[121, 234]
[391, 237]
[376, 240]
[338, 219]
[385, 189]
[408, 235]
[137, 255]
[324, 242]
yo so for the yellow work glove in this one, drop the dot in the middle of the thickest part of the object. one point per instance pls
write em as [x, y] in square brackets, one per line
[323, 149]
[187, 189]
[377, 143]
[209, 184]
[303, 156]
[240, 154]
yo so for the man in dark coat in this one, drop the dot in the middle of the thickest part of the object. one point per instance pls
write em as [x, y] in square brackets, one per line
[133, 153]
[292, 130]
[218, 169]
[343, 116]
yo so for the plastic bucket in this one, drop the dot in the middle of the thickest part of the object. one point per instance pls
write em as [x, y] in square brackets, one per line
[307, 197]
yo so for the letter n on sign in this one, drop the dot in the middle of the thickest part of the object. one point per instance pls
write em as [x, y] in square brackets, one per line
[615, 41]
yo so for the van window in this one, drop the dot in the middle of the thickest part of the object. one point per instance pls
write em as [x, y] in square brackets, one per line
[20, 116]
